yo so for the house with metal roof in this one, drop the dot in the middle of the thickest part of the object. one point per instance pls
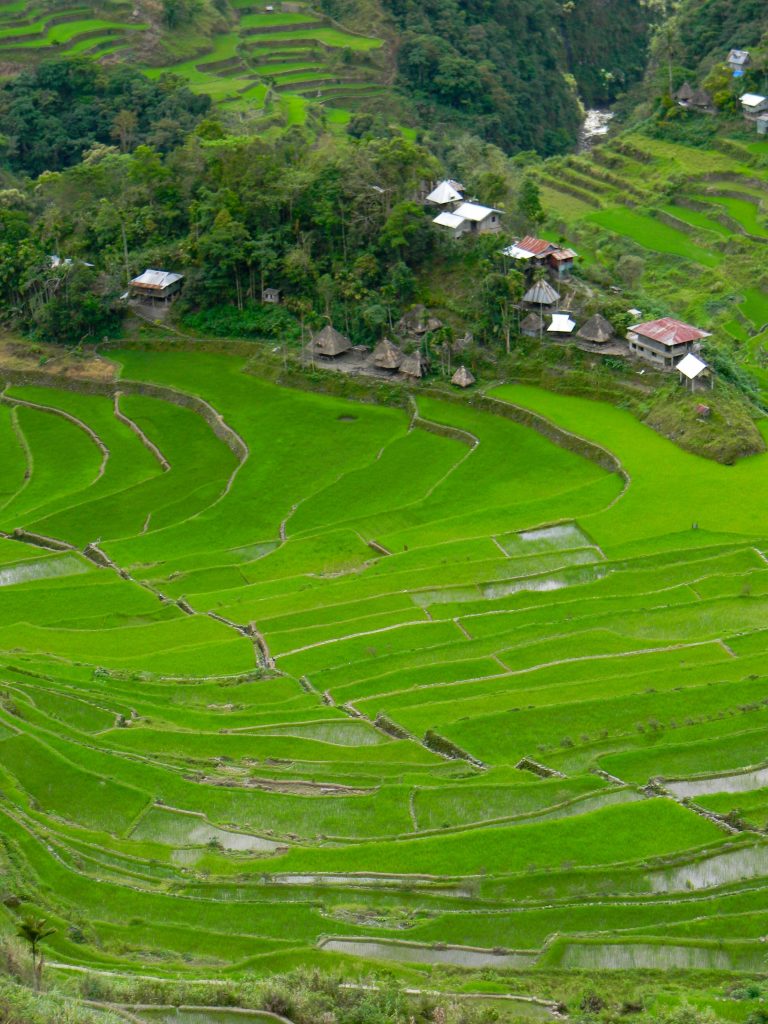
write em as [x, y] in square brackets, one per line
[540, 252]
[738, 61]
[470, 218]
[663, 342]
[753, 105]
[156, 285]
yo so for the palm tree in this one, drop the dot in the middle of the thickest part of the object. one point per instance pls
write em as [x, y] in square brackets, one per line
[34, 930]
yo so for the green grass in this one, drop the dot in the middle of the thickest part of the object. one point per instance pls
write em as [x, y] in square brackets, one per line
[618, 639]
[651, 233]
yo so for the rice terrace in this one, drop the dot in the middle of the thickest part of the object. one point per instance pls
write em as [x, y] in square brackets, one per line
[474, 693]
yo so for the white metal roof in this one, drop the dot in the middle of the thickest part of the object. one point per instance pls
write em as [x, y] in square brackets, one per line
[752, 99]
[157, 278]
[448, 220]
[444, 193]
[691, 366]
[515, 252]
[473, 211]
[561, 324]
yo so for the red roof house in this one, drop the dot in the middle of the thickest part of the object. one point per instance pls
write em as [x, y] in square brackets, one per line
[663, 341]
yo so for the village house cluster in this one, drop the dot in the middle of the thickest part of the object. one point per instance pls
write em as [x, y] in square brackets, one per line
[754, 105]
[330, 348]
[460, 216]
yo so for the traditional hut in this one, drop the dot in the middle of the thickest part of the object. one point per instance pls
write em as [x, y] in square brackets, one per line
[684, 94]
[413, 366]
[597, 330]
[463, 378]
[386, 355]
[271, 295]
[542, 294]
[532, 326]
[330, 343]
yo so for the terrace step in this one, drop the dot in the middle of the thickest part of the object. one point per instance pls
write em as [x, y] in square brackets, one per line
[265, 30]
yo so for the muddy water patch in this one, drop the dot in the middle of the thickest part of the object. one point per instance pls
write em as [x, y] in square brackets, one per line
[739, 782]
[584, 571]
[732, 866]
[407, 952]
[342, 733]
[662, 957]
[42, 569]
[182, 828]
[197, 1015]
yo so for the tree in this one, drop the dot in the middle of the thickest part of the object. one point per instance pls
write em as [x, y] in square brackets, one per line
[35, 930]
[124, 129]
[529, 201]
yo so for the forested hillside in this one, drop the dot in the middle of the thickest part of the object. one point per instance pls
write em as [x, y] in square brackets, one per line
[513, 70]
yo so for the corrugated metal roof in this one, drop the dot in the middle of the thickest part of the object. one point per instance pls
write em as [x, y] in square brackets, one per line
[445, 192]
[157, 279]
[752, 99]
[542, 294]
[669, 331]
[474, 212]
[448, 220]
[691, 366]
[561, 324]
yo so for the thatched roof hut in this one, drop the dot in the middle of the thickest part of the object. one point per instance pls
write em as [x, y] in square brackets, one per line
[541, 294]
[329, 342]
[414, 366]
[463, 378]
[685, 93]
[532, 326]
[386, 355]
[597, 329]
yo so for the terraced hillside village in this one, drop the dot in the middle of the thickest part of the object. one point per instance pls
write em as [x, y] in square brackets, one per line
[260, 62]
[361, 697]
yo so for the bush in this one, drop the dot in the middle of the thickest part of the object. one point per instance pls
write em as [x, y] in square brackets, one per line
[265, 323]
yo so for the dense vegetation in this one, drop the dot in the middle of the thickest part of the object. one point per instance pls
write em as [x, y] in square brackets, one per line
[55, 113]
[504, 67]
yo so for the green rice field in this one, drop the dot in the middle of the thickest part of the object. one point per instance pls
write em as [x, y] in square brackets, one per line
[271, 62]
[441, 707]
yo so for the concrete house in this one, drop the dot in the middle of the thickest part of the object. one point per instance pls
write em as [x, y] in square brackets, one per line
[470, 218]
[663, 342]
[762, 124]
[753, 105]
[156, 285]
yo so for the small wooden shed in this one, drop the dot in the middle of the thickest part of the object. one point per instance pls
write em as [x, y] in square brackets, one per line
[463, 378]
[271, 295]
